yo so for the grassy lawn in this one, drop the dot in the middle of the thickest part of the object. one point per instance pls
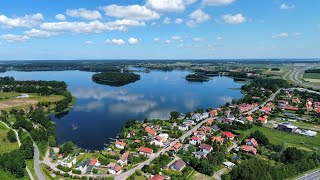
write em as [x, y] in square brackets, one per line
[311, 75]
[287, 139]
[304, 125]
[198, 176]
[42, 146]
[7, 176]
[6, 145]
[30, 165]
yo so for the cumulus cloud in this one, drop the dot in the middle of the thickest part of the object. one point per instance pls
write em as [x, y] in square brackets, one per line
[169, 5]
[88, 42]
[197, 17]
[225, 99]
[217, 2]
[166, 20]
[156, 39]
[286, 6]
[219, 38]
[197, 39]
[133, 41]
[90, 27]
[14, 38]
[136, 107]
[99, 94]
[167, 41]
[178, 21]
[36, 33]
[60, 17]
[176, 37]
[27, 21]
[84, 13]
[134, 12]
[234, 19]
[115, 41]
[91, 106]
[281, 35]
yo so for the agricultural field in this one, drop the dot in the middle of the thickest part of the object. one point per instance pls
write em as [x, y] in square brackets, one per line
[287, 139]
[198, 176]
[311, 75]
[9, 100]
[6, 145]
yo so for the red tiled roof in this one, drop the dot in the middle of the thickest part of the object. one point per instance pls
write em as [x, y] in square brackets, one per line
[249, 149]
[125, 156]
[145, 150]
[117, 168]
[253, 141]
[150, 131]
[266, 108]
[137, 141]
[93, 162]
[249, 118]
[217, 139]
[205, 146]
[228, 134]
[195, 138]
[177, 145]
[213, 112]
[291, 108]
[157, 177]
[121, 143]
[263, 119]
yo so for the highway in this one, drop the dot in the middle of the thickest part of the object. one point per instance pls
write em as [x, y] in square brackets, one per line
[295, 76]
[310, 176]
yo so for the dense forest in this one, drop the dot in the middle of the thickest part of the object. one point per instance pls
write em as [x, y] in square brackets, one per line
[115, 78]
[197, 77]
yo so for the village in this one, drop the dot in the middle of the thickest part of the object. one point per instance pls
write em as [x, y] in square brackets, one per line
[206, 141]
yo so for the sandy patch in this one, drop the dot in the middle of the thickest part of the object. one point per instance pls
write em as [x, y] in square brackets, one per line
[16, 102]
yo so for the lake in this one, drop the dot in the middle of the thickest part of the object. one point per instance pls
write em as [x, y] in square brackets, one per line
[100, 110]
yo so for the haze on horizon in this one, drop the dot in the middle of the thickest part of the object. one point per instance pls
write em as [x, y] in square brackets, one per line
[159, 29]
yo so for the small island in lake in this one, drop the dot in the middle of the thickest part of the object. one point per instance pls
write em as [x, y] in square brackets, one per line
[115, 78]
[197, 77]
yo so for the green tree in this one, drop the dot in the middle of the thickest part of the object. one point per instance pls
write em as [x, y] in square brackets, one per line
[52, 141]
[11, 136]
[174, 115]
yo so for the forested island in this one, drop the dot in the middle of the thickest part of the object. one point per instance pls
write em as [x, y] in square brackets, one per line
[197, 77]
[115, 78]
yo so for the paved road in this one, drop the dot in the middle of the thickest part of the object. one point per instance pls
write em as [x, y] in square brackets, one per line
[37, 162]
[19, 143]
[271, 98]
[296, 77]
[130, 172]
[310, 176]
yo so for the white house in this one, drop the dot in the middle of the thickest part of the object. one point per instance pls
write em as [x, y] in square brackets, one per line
[164, 136]
[82, 166]
[157, 140]
[195, 140]
[114, 168]
[124, 159]
[68, 161]
[204, 115]
[183, 127]
[120, 145]
[196, 117]
[23, 96]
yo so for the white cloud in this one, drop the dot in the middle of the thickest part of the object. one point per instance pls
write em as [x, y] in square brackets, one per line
[234, 19]
[178, 21]
[156, 39]
[36, 33]
[88, 42]
[219, 38]
[91, 106]
[217, 2]
[133, 41]
[281, 35]
[91, 27]
[197, 39]
[84, 13]
[167, 41]
[134, 12]
[197, 17]
[166, 20]
[176, 38]
[14, 38]
[169, 5]
[286, 6]
[115, 41]
[27, 21]
[60, 17]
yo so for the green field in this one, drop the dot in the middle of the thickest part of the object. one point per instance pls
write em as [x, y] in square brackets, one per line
[6, 145]
[311, 75]
[287, 139]
[198, 176]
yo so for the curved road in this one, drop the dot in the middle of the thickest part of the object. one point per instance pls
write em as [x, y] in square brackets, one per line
[19, 143]
[295, 76]
[37, 162]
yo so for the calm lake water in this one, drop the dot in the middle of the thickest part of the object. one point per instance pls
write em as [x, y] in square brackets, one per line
[100, 110]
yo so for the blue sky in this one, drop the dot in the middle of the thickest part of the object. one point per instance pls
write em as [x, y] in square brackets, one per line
[159, 29]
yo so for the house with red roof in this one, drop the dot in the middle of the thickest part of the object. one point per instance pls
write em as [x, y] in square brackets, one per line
[213, 113]
[195, 140]
[156, 177]
[175, 148]
[145, 151]
[263, 119]
[114, 168]
[157, 140]
[206, 148]
[295, 100]
[150, 131]
[94, 162]
[290, 108]
[124, 159]
[249, 149]
[120, 144]
[228, 135]
[251, 142]
[249, 118]
[218, 139]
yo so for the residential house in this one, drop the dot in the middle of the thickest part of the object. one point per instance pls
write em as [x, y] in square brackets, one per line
[218, 140]
[164, 136]
[200, 154]
[251, 142]
[287, 127]
[175, 148]
[114, 168]
[157, 140]
[228, 135]
[282, 103]
[120, 144]
[229, 164]
[145, 151]
[206, 148]
[131, 134]
[68, 161]
[249, 149]
[183, 127]
[23, 96]
[156, 177]
[295, 100]
[213, 113]
[204, 116]
[150, 131]
[82, 166]
[195, 140]
[94, 162]
[178, 165]
[215, 128]
[263, 119]
[124, 159]
[249, 118]
[209, 122]
[196, 117]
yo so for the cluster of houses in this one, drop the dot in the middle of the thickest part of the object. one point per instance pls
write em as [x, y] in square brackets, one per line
[250, 146]
[290, 128]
